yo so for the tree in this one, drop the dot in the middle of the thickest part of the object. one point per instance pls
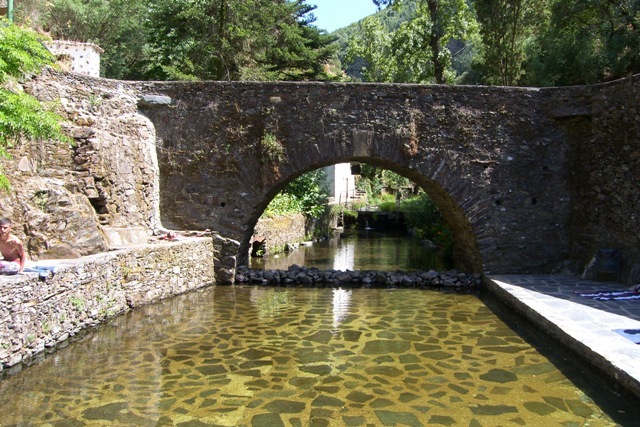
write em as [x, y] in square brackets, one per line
[426, 37]
[21, 115]
[587, 41]
[299, 51]
[505, 27]
[373, 45]
[115, 25]
[236, 40]
[306, 194]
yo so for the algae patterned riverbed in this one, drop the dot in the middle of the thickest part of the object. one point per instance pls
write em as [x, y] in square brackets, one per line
[248, 356]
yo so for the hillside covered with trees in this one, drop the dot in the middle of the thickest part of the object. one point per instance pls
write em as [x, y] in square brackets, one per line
[496, 42]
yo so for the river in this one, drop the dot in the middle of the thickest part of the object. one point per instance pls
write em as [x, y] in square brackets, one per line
[260, 356]
[362, 251]
[253, 356]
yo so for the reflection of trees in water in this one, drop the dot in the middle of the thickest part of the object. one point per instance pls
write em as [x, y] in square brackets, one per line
[269, 302]
[358, 253]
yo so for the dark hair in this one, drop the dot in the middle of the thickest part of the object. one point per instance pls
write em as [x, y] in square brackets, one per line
[5, 221]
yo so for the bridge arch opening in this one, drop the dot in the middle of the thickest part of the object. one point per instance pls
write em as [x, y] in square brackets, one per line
[465, 253]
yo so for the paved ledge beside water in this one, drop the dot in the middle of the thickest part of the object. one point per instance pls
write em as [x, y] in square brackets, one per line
[583, 325]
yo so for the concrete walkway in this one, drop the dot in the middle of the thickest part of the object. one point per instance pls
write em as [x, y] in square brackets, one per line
[584, 325]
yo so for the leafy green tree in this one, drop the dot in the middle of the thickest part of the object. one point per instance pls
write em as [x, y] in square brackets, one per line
[420, 44]
[375, 181]
[587, 41]
[236, 40]
[21, 115]
[299, 50]
[423, 217]
[306, 194]
[115, 25]
[506, 27]
[373, 45]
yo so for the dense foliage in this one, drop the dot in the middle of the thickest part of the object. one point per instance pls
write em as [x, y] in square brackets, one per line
[505, 42]
[306, 194]
[506, 27]
[416, 51]
[193, 40]
[21, 115]
[422, 216]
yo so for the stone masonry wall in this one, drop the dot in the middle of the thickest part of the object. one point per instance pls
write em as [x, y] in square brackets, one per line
[506, 166]
[280, 230]
[530, 180]
[603, 171]
[98, 192]
[36, 315]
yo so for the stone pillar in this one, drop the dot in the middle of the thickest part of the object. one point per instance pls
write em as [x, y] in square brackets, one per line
[224, 263]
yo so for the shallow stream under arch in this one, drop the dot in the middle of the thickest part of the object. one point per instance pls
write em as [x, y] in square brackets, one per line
[257, 356]
[262, 356]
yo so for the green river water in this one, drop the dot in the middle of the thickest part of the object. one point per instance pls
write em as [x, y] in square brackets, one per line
[258, 356]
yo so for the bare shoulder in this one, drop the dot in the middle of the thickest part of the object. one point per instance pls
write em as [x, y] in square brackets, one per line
[14, 240]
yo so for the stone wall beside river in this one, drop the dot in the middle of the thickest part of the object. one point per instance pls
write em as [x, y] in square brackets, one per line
[276, 232]
[36, 315]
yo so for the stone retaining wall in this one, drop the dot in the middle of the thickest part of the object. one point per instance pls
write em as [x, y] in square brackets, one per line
[280, 230]
[37, 315]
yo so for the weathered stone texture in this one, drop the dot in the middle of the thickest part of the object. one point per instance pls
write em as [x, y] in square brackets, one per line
[279, 231]
[498, 161]
[100, 191]
[529, 180]
[36, 315]
[604, 174]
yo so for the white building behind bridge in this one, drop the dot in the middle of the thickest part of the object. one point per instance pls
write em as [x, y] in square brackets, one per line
[341, 182]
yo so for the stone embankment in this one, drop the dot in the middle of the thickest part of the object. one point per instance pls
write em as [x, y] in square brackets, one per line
[302, 276]
[39, 312]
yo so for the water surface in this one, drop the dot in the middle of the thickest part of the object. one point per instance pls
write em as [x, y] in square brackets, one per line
[364, 251]
[256, 356]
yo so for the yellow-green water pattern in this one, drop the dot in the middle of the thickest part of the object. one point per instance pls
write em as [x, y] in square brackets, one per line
[253, 356]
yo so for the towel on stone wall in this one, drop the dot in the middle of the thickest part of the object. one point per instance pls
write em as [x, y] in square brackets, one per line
[609, 295]
[630, 334]
[44, 271]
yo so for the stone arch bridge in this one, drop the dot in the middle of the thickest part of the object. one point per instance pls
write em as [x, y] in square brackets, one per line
[529, 180]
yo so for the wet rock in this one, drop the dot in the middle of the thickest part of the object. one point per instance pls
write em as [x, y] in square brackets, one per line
[108, 412]
[267, 420]
[359, 397]
[285, 406]
[322, 337]
[499, 376]
[327, 401]
[392, 418]
[441, 420]
[385, 347]
[452, 280]
[539, 408]
[494, 409]
[388, 371]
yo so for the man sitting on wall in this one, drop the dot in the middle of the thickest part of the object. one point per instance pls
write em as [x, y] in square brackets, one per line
[11, 248]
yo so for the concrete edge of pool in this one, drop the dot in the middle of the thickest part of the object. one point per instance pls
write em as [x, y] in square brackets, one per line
[586, 331]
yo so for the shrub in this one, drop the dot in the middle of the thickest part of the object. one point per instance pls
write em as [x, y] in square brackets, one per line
[22, 115]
